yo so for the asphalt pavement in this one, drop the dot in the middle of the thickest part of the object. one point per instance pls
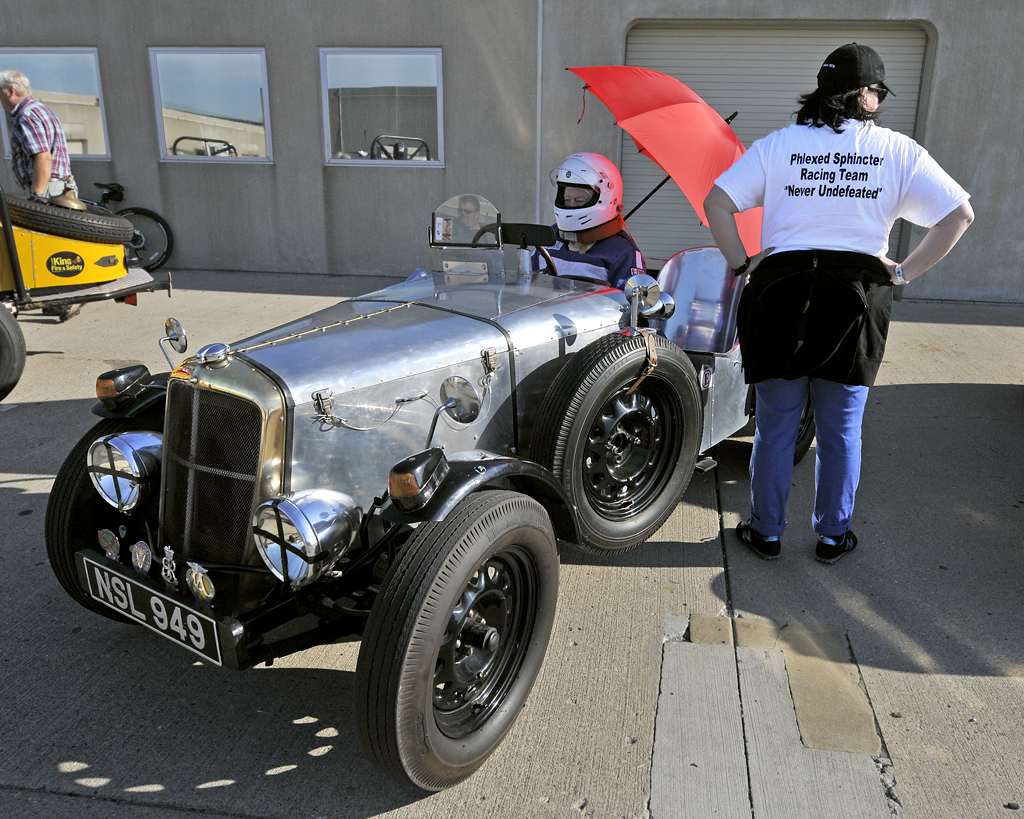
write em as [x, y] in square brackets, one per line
[685, 679]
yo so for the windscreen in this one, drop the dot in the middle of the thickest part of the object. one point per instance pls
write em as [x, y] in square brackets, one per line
[466, 220]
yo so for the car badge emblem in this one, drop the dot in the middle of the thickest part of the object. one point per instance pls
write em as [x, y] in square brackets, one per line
[183, 370]
[111, 545]
[142, 557]
[199, 583]
[167, 572]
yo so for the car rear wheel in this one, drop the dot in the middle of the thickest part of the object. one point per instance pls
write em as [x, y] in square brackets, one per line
[625, 456]
[456, 638]
[12, 352]
[75, 513]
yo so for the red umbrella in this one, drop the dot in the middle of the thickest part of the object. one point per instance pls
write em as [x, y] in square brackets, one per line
[678, 130]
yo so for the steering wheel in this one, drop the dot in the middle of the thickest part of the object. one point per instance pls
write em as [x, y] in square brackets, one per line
[491, 228]
[399, 147]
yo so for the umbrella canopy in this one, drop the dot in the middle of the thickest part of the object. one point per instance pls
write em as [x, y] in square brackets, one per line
[678, 130]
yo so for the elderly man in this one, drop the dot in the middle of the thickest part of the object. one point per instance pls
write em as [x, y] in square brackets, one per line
[39, 152]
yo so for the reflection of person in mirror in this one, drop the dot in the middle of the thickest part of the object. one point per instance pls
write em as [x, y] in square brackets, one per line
[39, 152]
[468, 223]
[814, 315]
[593, 240]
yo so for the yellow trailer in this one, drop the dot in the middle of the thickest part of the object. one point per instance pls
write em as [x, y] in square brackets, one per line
[56, 257]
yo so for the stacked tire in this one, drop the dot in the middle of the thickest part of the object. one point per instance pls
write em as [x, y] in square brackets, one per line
[73, 224]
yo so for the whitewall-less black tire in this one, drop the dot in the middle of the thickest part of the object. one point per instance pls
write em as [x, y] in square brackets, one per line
[456, 638]
[625, 458]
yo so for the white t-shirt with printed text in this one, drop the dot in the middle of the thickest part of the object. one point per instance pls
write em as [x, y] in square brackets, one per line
[839, 191]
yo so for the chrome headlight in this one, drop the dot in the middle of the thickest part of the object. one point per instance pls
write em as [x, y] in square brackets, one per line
[124, 467]
[300, 536]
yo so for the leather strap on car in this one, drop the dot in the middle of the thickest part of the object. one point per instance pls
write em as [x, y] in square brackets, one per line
[652, 359]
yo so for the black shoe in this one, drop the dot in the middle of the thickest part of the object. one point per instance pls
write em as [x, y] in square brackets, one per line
[760, 545]
[829, 550]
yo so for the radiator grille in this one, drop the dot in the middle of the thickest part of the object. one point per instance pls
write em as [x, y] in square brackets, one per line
[211, 469]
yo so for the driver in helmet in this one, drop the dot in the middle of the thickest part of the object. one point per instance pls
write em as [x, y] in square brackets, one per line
[593, 240]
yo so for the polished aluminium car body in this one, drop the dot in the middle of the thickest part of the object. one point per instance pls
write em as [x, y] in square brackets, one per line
[426, 442]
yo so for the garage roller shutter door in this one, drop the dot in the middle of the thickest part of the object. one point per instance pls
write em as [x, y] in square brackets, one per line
[759, 72]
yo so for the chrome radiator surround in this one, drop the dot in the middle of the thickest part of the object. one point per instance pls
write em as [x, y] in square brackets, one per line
[224, 453]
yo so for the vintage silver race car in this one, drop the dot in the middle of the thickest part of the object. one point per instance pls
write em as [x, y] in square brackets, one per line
[400, 468]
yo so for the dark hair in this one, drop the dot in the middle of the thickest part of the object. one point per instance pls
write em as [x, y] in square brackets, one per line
[470, 199]
[820, 108]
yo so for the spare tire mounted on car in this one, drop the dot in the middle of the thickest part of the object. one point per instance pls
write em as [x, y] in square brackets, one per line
[72, 224]
[623, 450]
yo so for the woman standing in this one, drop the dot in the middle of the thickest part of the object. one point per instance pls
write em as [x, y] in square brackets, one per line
[814, 316]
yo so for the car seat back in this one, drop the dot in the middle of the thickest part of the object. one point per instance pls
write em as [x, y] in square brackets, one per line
[706, 292]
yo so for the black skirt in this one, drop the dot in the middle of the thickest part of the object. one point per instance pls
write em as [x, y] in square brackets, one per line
[818, 313]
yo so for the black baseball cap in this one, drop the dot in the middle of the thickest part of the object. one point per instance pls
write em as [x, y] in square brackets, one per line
[850, 67]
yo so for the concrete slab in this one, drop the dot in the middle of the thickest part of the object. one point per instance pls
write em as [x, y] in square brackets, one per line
[727, 743]
[711, 630]
[787, 780]
[832, 709]
[699, 767]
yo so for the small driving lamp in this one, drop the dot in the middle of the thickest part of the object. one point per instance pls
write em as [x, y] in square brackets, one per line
[116, 388]
[413, 481]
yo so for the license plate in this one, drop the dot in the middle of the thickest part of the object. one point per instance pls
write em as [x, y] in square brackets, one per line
[166, 616]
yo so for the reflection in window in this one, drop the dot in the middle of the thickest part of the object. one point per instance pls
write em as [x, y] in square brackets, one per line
[212, 103]
[67, 81]
[382, 105]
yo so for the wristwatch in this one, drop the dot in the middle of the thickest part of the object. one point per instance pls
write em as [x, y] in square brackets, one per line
[899, 275]
[739, 271]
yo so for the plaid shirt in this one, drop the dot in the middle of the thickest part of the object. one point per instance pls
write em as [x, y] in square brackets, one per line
[36, 130]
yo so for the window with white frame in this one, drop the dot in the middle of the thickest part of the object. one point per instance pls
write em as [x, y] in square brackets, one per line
[212, 104]
[382, 105]
[67, 81]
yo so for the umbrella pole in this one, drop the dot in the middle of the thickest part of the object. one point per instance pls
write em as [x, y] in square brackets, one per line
[640, 204]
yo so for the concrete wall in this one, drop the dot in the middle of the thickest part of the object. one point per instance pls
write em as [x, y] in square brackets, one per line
[299, 215]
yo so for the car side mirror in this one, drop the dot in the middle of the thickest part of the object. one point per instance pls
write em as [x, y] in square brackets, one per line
[174, 335]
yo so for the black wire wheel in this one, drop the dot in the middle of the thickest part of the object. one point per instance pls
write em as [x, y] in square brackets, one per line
[456, 638]
[13, 353]
[624, 451]
[152, 240]
[75, 512]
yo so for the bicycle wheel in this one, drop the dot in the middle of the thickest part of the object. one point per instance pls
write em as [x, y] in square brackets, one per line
[152, 241]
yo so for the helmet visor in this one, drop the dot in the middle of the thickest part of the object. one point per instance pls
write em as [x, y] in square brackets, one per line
[574, 197]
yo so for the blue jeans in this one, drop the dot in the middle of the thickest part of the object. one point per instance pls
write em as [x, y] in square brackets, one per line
[838, 413]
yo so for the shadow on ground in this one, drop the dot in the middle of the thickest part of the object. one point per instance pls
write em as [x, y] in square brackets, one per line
[935, 585]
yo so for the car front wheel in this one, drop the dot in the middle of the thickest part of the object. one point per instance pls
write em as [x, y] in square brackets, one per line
[456, 638]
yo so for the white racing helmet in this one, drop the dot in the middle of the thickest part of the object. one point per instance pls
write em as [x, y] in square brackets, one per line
[599, 174]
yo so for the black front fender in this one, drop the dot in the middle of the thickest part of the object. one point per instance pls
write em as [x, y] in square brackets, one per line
[473, 471]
